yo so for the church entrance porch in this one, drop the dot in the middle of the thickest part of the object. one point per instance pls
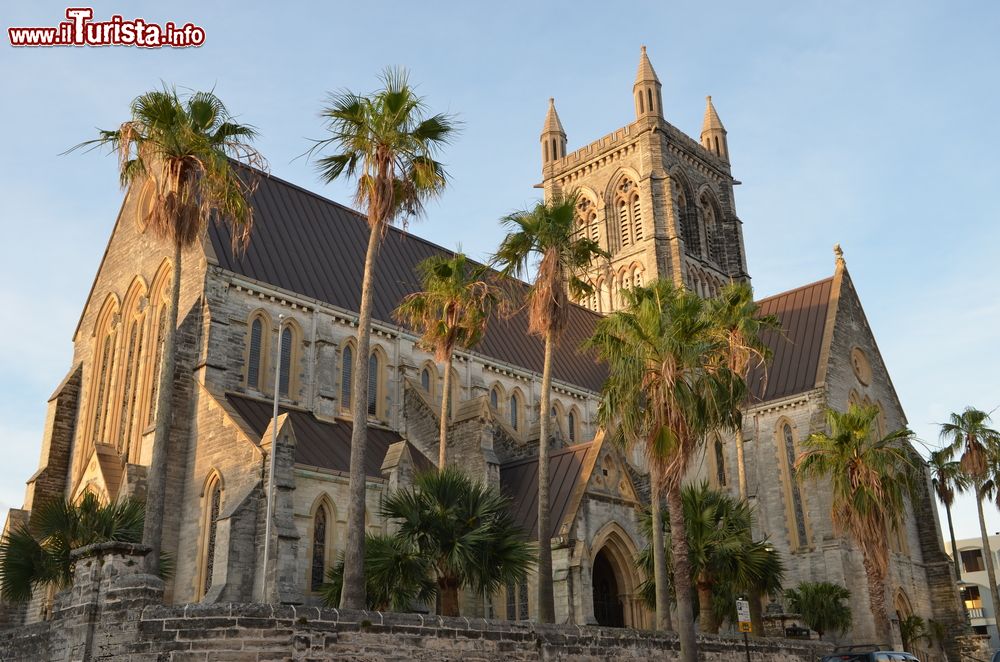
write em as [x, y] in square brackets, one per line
[614, 582]
[608, 607]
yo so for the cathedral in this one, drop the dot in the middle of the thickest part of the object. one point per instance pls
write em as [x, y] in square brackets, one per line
[659, 201]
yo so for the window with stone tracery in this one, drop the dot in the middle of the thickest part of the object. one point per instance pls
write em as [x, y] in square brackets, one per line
[797, 511]
[688, 221]
[712, 230]
[628, 213]
[130, 385]
[317, 570]
[586, 214]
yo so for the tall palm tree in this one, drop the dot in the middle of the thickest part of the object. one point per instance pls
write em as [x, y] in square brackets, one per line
[387, 143]
[948, 479]
[548, 233]
[725, 559]
[740, 325]
[464, 530]
[971, 434]
[39, 554]
[451, 311]
[667, 388]
[822, 605]
[188, 146]
[871, 478]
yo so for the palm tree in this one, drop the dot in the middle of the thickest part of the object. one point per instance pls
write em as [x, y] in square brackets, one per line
[188, 147]
[465, 532]
[451, 311]
[39, 554]
[871, 478]
[948, 479]
[725, 559]
[912, 629]
[822, 606]
[385, 141]
[667, 387]
[549, 234]
[970, 434]
[740, 325]
[397, 576]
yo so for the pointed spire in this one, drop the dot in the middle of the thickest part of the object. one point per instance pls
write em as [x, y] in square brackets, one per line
[552, 123]
[713, 134]
[646, 74]
[553, 136]
[711, 120]
[646, 90]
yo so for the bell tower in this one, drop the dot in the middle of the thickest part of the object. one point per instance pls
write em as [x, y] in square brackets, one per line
[660, 202]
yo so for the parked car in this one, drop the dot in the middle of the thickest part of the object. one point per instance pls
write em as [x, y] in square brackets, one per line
[996, 657]
[863, 654]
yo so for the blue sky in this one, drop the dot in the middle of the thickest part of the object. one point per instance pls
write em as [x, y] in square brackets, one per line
[869, 124]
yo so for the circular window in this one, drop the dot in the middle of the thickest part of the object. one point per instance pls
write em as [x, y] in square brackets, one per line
[862, 369]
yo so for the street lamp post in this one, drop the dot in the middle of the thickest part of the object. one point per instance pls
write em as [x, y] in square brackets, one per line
[271, 461]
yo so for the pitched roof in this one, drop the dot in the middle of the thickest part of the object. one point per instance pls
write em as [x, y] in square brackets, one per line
[519, 481]
[797, 346]
[320, 443]
[307, 244]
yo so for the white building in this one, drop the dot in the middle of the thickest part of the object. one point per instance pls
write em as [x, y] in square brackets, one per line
[976, 585]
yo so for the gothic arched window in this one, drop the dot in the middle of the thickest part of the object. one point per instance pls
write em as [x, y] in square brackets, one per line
[425, 379]
[129, 384]
[317, 573]
[571, 426]
[213, 506]
[154, 384]
[515, 406]
[712, 230]
[627, 212]
[346, 374]
[797, 512]
[586, 214]
[284, 378]
[374, 382]
[495, 398]
[255, 353]
[688, 221]
[720, 463]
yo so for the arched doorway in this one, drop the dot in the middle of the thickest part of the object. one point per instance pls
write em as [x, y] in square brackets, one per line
[609, 609]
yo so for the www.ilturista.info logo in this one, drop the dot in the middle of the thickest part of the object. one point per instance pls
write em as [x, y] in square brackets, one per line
[80, 30]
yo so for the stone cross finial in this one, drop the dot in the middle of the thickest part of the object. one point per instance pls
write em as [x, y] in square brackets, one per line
[839, 253]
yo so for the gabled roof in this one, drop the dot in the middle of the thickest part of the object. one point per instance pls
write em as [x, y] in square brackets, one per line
[519, 482]
[320, 443]
[312, 246]
[797, 347]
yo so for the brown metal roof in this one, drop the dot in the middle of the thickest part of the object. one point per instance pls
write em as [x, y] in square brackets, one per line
[320, 443]
[797, 345]
[519, 482]
[313, 246]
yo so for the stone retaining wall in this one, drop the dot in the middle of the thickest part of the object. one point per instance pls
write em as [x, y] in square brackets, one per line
[114, 612]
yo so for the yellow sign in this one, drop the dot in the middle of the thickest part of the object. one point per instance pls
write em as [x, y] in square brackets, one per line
[745, 627]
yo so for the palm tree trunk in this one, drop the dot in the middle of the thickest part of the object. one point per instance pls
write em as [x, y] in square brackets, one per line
[445, 396]
[705, 616]
[659, 555]
[954, 548]
[876, 594]
[156, 481]
[448, 589]
[352, 596]
[546, 601]
[682, 574]
[987, 553]
[741, 467]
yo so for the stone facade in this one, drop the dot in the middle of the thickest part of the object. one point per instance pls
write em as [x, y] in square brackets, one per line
[662, 204]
